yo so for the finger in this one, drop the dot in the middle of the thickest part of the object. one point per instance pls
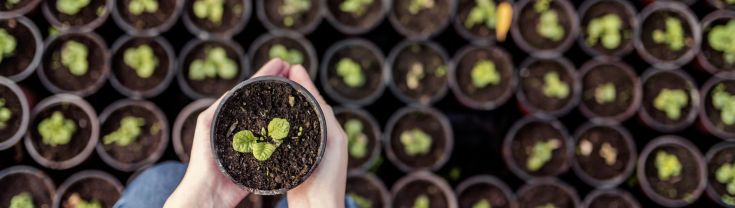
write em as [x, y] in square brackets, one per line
[274, 67]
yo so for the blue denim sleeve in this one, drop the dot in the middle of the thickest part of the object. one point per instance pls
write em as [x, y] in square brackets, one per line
[153, 186]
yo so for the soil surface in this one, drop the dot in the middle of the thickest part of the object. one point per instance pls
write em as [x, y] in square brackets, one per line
[429, 125]
[430, 60]
[678, 187]
[406, 196]
[624, 90]
[13, 103]
[25, 48]
[60, 76]
[86, 15]
[715, 57]
[372, 70]
[657, 21]
[603, 8]
[23, 182]
[372, 14]
[365, 189]
[531, 134]
[725, 155]
[78, 141]
[595, 165]
[541, 195]
[528, 20]
[187, 131]
[147, 20]
[503, 65]
[252, 107]
[210, 87]
[653, 87]
[127, 75]
[480, 191]
[426, 21]
[713, 114]
[368, 130]
[611, 201]
[273, 15]
[144, 146]
[231, 16]
[92, 188]
[532, 84]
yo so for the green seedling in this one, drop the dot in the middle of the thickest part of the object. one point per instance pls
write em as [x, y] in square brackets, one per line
[671, 102]
[673, 36]
[548, 25]
[360, 201]
[542, 6]
[667, 165]
[483, 203]
[137, 7]
[730, 1]
[607, 29]
[351, 72]
[725, 175]
[9, 4]
[56, 129]
[292, 9]
[415, 142]
[215, 64]
[7, 44]
[721, 100]
[246, 141]
[74, 58]
[547, 205]
[541, 153]
[605, 93]
[22, 200]
[440, 71]
[415, 6]
[292, 56]
[422, 201]
[415, 75]
[454, 174]
[484, 74]
[127, 133]
[482, 13]
[142, 59]
[355, 7]
[5, 114]
[210, 9]
[721, 39]
[555, 87]
[71, 7]
[357, 141]
[89, 204]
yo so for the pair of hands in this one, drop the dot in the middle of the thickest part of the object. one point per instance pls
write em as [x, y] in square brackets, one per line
[204, 185]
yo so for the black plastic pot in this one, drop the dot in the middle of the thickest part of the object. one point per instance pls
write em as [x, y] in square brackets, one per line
[347, 112]
[588, 89]
[442, 24]
[20, 113]
[217, 121]
[82, 180]
[35, 48]
[566, 148]
[721, 153]
[186, 122]
[707, 110]
[359, 182]
[251, 201]
[555, 51]
[365, 22]
[50, 12]
[224, 33]
[418, 177]
[264, 15]
[153, 30]
[185, 59]
[333, 85]
[443, 123]
[463, 69]
[392, 69]
[690, 23]
[647, 117]
[556, 192]
[97, 77]
[259, 56]
[587, 12]
[705, 57]
[27, 179]
[160, 47]
[485, 183]
[628, 166]
[524, 100]
[24, 9]
[607, 195]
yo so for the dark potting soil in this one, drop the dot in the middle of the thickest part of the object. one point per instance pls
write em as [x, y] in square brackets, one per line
[431, 126]
[144, 146]
[479, 30]
[6, 7]
[231, 16]
[430, 60]
[262, 56]
[603, 8]
[251, 201]
[657, 20]
[58, 74]
[23, 182]
[364, 188]
[86, 15]
[367, 130]
[127, 75]
[273, 15]
[535, 132]
[611, 201]
[713, 114]
[716, 58]
[187, 131]
[528, 20]
[624, 90]
[406, 196]
[13, 103]
[210, 87]
[594, 164]
[544, 194]
[92, 188]
[532, 84]
[251, 108]
[426, 21]
[677, 187]
[372, 13]
[147, 20]
[653, 87]
[503, 65]
[25, 48]
[725, 155]
[78, 141]
[372, 69]
[480, 191]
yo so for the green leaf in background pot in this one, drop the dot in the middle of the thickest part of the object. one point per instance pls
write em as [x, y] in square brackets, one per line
[22, 200]
[725, 103]
[56, 130]
[351, 72]
[416, 142]
[74, 58]
[554, 87]
[142, 59]
[7, 44]
[673, 36]
[541, 154]
[667, 165]
[355, 7]
[482, 12]
[415, 6]
[671, 102]
[209, 9]
[608, 29]
[5, 114]
[721, 38]
[484, 74]
[71, 7]
[291, 10]
[127, 133]
[137, 7]
[356, 140]
[292, 56]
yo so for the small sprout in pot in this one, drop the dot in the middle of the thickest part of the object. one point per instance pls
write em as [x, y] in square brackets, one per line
[7, 44]
[210, 9]
[667, 165]
[483, 203]
[128, 132]
[351, 72]
[483, 12]
[605, 93]
[76, 201]
[541, 154]
[356, 140]
[417, 73]
[416, 142]
[246, 141]
[292, 9]
[673, 36]
[292, 56]
[137, 7]
[355, 7]
[422, 201]
[548, 24]
[74, 58]
[216, 64]
[671, 101]
[725, 175]
[606, 30]
[722, 101]
[142, 60]
[721, 39]
[417, 5]
[609, 153]
[22, 200]
[360, 201]
[484, 74]
[5, 114]
[555, 87]
[71, 7]
[547, 205]
[56, 130]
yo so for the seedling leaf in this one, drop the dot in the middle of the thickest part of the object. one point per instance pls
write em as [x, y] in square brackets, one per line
[360, 201]
[216, 64]
[422, 201]
[22, 200]
[555, 87]
[7, 44]
[263, 151]
[549, 26]
[243, 140]
[278, 129]
[142, 59]
[608, 29]
[56, 130]
[416, 142]
[482, 12]
[484, 74]
[137, 7]
[668, 165]
[209, 9]
[356, 139]
[71, 7]
[673, 36]
[541, 153]
[415, 75]
[721, 100]
[671, 102]
[292, 10]
[355, 7]
[605, 93]
[292, 56]
[5, 114]
[482, 203]
[415, 6]
[351, 72]
[127, 133]
[721, 39]
[74, 58]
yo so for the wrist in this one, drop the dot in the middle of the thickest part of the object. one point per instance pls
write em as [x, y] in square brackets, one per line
[198, 189]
